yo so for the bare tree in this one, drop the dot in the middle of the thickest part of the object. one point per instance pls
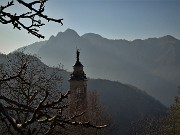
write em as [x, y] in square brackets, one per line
[96, 114]
[30, 100]
[34, 14]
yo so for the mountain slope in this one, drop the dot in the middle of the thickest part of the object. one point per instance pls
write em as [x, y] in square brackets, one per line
[151, 64]
[124, 103]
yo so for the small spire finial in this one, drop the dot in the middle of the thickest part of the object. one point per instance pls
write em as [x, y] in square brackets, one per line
[77, 54]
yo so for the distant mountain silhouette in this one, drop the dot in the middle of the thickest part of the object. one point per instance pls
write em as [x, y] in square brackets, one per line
[151, 64]
[124, 103]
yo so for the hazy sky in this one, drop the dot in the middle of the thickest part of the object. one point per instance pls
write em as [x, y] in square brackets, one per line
[114, 19]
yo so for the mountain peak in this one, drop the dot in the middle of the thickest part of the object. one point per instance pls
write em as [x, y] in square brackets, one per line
[52, 37]
[168, 38]
[68, 33]
[91, 36]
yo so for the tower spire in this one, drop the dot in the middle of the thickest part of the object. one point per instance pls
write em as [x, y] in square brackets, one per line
[78, 73]
[77, 55]
[78, 88]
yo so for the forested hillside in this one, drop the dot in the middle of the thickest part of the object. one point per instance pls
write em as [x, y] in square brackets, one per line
[124, 103]
[151, 64]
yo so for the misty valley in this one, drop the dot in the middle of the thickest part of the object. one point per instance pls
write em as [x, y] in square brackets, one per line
[132, 83]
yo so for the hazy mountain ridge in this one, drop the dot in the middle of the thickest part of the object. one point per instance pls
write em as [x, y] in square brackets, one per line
[32, 48]
[150, 64]
[124, 102]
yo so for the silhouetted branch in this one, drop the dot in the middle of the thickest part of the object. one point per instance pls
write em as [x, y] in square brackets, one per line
[35, 9]
[27, 103]
[85, 124]
[9, 118]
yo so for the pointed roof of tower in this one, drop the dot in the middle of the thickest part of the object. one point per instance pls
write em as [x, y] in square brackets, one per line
[78, 63]
[78, 73]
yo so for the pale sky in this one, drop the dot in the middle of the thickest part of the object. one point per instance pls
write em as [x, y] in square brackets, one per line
[113, 19]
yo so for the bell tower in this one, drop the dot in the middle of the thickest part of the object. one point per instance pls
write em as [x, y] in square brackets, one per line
[78, 88]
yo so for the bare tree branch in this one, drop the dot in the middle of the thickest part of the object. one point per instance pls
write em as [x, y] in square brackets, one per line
[30, 102]
[9, 118]
[34, 9]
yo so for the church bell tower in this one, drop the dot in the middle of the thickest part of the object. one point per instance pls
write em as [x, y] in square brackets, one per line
[78, 88]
